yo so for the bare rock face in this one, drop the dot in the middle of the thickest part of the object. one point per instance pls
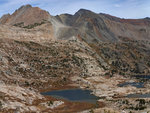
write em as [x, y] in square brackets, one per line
[128, 29]
[86, 25]
[144, 21]
[4, 18]
[25, 15]
[92, 27]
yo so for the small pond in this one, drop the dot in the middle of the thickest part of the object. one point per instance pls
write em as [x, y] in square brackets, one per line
[139, 95]
[77, 95]
[142, 76]
[135, 84]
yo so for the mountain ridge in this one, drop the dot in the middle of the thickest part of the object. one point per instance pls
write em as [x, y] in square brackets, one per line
[79, 11]
[85, 24]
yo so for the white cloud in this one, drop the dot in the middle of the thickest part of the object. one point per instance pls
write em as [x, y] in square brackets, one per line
[117, 5]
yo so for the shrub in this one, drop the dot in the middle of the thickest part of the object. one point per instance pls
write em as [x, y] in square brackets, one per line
[50, 103]
[1, 105]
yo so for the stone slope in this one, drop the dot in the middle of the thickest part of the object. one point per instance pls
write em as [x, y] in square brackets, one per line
[88, 25]
[132, 29]
[40, 33]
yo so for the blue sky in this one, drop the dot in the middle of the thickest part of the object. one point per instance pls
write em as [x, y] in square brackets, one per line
[120, 8]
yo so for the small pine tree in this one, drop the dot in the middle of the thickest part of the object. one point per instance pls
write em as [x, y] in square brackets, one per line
[1, 105]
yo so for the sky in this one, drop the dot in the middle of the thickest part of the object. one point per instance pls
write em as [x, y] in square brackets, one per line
[119, 8]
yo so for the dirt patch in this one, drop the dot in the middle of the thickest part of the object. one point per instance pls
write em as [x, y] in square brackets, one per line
[67, 86]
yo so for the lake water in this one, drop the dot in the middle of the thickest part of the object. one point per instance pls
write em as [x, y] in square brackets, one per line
[140, 85]
[77, 95]
[135, 84]
[142, 76]
[138, 96]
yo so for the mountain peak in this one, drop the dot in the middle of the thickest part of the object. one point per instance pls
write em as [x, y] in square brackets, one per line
[83, 11]
[26, 15]
[147, 18]
[25, 6]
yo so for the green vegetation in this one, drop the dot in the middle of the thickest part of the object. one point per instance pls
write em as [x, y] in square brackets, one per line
[21, 24]
[1, 105]
[141, 105]
[91, 111]
[108, 111]
[50, 103]
[148, 63]
[33, 25]
[78, 61]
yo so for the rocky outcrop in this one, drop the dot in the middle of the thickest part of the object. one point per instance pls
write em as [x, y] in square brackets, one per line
[4, 18]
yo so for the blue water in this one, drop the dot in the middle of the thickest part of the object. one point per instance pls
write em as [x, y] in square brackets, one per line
[138, 96]
[142, 76]
[135, 84]
[78, 95]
